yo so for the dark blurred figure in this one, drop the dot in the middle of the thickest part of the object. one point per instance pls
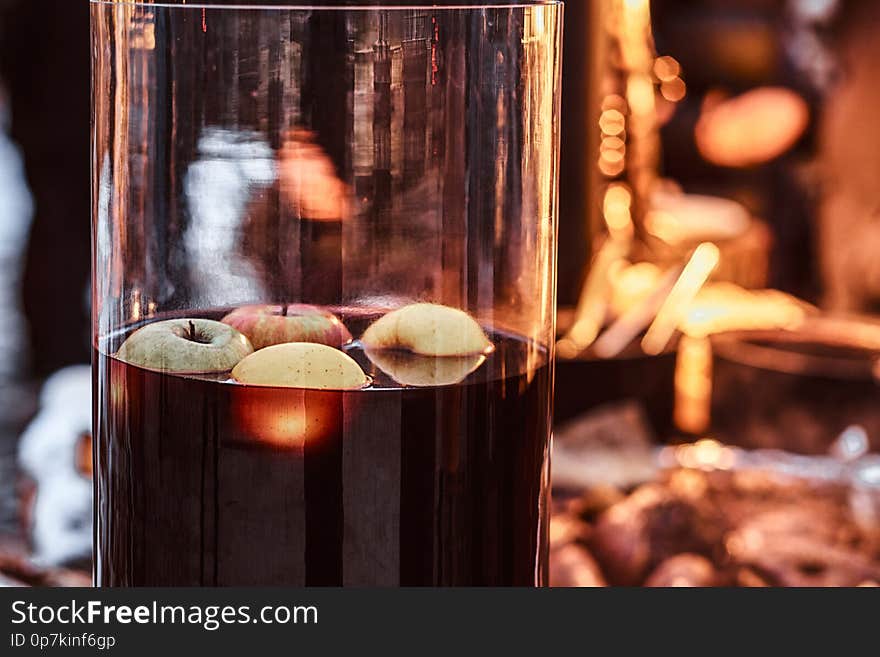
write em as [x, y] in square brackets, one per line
[44, 64]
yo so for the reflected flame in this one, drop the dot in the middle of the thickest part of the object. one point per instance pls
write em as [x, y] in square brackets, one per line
[84, 455]
[285, 417]
[309, 181]
[136, 306]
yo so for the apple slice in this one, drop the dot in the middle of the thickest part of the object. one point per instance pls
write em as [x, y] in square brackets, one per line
[428, 329]
[269, 325]
[301, 365]
[185, 346]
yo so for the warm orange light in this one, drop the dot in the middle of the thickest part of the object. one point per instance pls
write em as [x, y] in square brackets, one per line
[693, 384]
[727, 307]
[611, 169]
[593, 303]
[309, 181]
[666, 68]
[612, 144]
[612, 122]
[136, 307]
[631, 285]
[614, 102]
[701, 264]
[617, 208]
[753, 128]
[612, 157]
[706, 454]
[285, 417]
[640, 94]
[673, 90]
[84, 455]
[626, 327]
[679, 218]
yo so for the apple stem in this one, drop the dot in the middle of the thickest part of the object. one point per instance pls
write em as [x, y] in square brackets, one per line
[192, 330]
[284, 309]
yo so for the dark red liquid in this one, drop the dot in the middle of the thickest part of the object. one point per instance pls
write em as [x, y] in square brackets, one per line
[206, 482]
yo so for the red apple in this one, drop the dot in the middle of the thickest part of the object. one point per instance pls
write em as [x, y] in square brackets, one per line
[269, 325]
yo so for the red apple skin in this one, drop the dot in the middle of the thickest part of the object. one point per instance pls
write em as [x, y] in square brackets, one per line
[266, 326]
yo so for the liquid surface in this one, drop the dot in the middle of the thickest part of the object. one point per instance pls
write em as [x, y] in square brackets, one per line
[205, 482]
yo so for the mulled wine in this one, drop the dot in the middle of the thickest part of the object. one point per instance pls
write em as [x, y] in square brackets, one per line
[433, 472]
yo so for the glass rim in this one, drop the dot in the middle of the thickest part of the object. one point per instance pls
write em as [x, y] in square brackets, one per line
[446, 6]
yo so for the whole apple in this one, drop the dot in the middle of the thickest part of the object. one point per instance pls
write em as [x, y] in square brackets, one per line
[270, 325]
[185, 346]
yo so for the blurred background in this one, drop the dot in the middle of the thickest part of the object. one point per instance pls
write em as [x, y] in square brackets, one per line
[718, 407]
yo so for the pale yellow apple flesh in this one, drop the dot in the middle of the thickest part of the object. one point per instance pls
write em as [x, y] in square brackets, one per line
[301, 365]
[428, 329]
[185, 346]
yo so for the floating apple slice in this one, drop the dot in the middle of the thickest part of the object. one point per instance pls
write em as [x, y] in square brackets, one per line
[422, 371]
[301, 365]
[185, 346]
[429, 330]
[270, 325]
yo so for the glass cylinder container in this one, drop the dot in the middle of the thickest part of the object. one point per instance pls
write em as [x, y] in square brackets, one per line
[324, 291]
